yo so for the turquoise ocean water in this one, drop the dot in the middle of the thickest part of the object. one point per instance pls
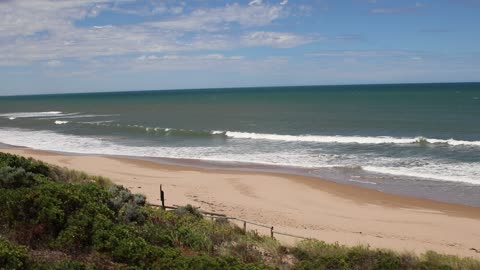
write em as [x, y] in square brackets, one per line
[415, 139]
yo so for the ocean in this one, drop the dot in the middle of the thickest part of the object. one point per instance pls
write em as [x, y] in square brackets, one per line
[421, 140]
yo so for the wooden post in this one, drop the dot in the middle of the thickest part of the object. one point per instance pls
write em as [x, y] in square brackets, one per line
[162, 197]
[245, 227]
[271, 232]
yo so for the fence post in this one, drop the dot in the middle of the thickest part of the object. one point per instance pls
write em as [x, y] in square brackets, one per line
[162, 197]
[271, 232]
[244, 226]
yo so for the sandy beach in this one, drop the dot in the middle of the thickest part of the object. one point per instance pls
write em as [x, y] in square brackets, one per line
[299, 205]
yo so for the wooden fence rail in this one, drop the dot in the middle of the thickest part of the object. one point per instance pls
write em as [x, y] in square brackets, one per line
[214, 215]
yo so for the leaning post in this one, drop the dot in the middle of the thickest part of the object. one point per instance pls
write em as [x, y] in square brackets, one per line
[162, 197]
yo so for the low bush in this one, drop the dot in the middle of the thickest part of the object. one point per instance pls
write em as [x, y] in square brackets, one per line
[63, 265]
[12, 256]
[188, 210]
[15, 177]
[28, 164]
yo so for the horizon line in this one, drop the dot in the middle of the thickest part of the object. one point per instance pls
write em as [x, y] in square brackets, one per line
[229, 88]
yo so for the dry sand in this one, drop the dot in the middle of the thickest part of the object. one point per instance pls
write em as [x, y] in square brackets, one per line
[298, 205]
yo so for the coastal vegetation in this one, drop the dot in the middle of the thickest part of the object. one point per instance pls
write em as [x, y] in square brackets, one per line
[55, 218]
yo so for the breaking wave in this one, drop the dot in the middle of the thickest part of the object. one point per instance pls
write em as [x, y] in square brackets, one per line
[157, 130]
[287, 138]
[16, 115]
[50, 115]
[348, 139]
[47, 140]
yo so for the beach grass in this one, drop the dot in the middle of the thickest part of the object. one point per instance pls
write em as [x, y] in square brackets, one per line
[55, 218]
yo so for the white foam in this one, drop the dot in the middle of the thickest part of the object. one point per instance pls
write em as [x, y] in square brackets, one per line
[74, 116]
[58, 122]
[249, 153]
[96, 122]
[345, 139]
[363, 182]
[12, 118]
[429, 173]
[30, 114]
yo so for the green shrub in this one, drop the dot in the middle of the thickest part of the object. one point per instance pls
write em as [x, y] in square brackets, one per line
[204, 262]
[132, 250]
[156, 235]
[224, 233]
[49, 210]
[127, 205]
[120, 196]
[246, 252]
[62, 265]
[433, 260]
[139, 199]
[16, 177]
[130, 212]
[314, 254]
[121, 242]
[188, 210]
[77, 232]
[387, 260]
[28, 164]
[12, 256]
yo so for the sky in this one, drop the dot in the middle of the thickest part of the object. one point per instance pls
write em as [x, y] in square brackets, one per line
[55, 46]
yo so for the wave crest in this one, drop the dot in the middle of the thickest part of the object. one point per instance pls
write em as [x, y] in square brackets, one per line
[159, 130]
[286, 138]
[12, 116]
[348, 139]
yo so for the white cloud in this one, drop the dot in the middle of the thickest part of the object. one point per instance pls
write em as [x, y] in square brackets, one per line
[255, 3]
[353, 55]
[148, 58]
[54, 63]
[27, 17]
[284, 2]
[214, 56]
[170, 57]
[386, 10]
[41, 30]
[274, 39]
[176, 10]
[220, 18]
[363, 53]
[417, 5]
[236, 57]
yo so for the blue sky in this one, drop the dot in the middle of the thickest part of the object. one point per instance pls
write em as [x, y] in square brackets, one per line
[51, 46]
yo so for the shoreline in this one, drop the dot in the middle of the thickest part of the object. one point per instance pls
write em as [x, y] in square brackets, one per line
[301, 205]
[421, 188]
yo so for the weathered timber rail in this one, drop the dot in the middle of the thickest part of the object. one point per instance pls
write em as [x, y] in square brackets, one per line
[214, 215]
